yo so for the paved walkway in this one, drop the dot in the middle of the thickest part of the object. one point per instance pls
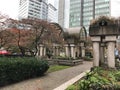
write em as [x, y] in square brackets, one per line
[50, 80]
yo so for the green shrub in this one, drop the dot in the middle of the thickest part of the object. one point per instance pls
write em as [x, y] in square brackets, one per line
[117, 76]
[17, 69]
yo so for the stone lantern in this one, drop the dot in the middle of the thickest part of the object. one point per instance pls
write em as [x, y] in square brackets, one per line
[104, 32]
[75, 42]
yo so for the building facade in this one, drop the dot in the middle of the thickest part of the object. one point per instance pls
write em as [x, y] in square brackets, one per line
[52, 13]
[33, 9]
[83, 11]
[76, 13]
[63, 13]
[39, 9]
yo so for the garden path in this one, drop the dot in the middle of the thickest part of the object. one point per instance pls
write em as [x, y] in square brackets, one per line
[50, 80]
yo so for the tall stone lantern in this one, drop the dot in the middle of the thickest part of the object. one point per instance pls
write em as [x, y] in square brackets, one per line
[104, 32]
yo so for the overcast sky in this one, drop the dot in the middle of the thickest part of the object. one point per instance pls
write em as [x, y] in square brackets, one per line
[10, 7]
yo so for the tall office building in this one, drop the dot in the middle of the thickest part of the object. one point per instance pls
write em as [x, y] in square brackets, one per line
[52, 13]
[81, 12]
[56, 6]
[63, 13]
[33, 9]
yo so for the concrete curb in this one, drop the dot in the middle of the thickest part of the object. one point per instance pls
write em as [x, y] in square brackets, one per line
[72, 81]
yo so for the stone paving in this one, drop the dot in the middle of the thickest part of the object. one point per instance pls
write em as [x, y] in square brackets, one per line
[50, 80]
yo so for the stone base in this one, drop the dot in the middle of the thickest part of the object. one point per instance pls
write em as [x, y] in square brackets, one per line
[70, 62]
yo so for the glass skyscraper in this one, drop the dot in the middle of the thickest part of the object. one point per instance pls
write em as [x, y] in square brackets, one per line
[83, 11]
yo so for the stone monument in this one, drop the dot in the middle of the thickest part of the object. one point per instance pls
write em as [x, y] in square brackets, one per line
[104, 32]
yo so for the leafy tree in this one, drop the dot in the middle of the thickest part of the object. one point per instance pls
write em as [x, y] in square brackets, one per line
[30, 33]
[4, 33]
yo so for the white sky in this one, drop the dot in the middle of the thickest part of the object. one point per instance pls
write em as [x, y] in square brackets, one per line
[115, 8]
[10, 7]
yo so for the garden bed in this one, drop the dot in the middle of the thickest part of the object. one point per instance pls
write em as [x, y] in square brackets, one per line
[64, 62]
[70, 62]
[98, 79]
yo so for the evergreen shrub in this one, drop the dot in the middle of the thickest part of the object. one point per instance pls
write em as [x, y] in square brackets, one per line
[17, 69]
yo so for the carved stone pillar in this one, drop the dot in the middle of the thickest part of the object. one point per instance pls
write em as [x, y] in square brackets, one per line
[111, 40]
[72, 51]
[67, 50]
[38, 53]
[44, 51]
[96, 50]
[83, 51]
[57, 51]
[96, 53]
[54, 49]
[110, 54]
[102, 55]
[41, 51]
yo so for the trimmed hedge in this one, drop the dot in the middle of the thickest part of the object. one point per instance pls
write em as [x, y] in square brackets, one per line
[17, 69]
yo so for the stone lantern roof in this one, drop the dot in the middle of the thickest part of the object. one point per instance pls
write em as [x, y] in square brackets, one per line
[103, 26]
[57, 27]
[71, 35]
[76, 34]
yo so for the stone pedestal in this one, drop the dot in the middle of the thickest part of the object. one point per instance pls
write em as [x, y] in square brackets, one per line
[96, 53]
[67, 50]
[110, 54]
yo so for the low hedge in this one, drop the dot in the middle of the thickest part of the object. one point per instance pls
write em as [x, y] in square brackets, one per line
[17, 69]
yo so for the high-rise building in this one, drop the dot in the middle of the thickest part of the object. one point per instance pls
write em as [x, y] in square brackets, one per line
[81, 12]
[33, 9]
[56, 6]
[52, 13]
[63, 13]
[40, 9]
[53, 10]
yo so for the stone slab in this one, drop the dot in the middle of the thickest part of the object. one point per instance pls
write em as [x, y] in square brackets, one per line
[110, 38]
[95, 39]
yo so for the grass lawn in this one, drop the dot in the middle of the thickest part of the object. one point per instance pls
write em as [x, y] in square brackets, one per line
[54, 68]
